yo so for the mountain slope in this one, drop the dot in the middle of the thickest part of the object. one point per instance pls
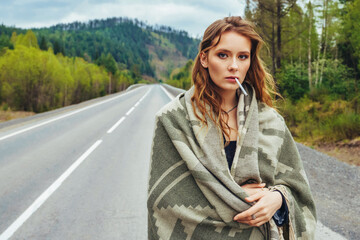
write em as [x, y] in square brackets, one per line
[143, 49]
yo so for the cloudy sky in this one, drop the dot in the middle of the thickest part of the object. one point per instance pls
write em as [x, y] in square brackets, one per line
[192, 16]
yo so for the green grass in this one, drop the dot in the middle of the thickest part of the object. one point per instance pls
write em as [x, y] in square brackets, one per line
[327, 120]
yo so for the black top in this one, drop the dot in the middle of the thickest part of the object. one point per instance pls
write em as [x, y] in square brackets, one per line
[230, 152]
[281, 216]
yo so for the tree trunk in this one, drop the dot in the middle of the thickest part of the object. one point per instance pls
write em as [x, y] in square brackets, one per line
[65, 97]
[300, 58]
[273, 47]
[336, 55]
[309, 48]
[318, 61]
[109, 83]
[247, 10]
[300, 53]
[278, 23]
[325, 39]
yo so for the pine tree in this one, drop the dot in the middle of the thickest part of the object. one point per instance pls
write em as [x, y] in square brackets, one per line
[43, 44]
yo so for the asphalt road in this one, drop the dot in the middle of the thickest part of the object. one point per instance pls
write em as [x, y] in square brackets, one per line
[81, 172]
[105, 196]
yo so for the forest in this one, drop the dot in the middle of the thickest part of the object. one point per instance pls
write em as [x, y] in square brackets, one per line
[47, 68]
[313, 52]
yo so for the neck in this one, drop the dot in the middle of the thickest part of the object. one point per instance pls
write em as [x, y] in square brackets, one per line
[229, 100]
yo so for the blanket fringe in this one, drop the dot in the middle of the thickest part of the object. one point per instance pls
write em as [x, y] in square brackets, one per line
[290, 224]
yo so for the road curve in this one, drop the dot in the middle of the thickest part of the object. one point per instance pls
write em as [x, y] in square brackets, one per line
[81, 173]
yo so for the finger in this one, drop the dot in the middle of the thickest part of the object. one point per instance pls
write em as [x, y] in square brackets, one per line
[254, 185]
[248, 221]
[258, 185]
[261, 218]
[257, 224]
[243, 216]
[258, 221]
[248, 213]
[243, 219]
[254, 222]
[256, 196]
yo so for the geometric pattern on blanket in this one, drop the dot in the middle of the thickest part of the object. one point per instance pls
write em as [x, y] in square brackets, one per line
[193, 195]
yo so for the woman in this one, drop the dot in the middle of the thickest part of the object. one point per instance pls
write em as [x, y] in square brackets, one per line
[223, 164]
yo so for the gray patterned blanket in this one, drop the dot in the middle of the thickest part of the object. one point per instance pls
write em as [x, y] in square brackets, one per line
[192, 193]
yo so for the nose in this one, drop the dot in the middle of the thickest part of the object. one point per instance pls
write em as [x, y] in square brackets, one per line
[233, 65]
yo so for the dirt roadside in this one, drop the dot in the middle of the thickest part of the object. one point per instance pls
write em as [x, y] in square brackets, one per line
[10, 115]
[348, 151]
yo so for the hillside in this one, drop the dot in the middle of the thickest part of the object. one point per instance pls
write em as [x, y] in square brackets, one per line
[47, 68]
[150, 52]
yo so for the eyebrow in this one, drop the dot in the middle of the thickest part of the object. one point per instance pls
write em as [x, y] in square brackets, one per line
[225, 50]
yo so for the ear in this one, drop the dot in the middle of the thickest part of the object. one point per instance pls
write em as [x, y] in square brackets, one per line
[204, 59]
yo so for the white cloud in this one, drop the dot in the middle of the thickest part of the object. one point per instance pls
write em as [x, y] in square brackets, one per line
[189, 15]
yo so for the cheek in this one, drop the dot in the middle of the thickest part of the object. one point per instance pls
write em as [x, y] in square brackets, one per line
[245, 67]
[215, 68]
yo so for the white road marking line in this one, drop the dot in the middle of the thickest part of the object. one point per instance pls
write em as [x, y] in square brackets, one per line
[128, 112]
[167, 93]
[116, 125]
[123, 118]
[45, 195]
[61, 117]
[145, 95]
[147, 92]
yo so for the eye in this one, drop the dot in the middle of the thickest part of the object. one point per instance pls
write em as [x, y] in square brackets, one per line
[243, 56]
[222, 55]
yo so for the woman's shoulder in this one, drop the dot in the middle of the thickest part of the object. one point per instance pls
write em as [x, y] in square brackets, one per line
[270, 118]
[175, 105]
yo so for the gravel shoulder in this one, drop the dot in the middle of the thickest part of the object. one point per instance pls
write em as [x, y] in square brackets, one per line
[335, 187]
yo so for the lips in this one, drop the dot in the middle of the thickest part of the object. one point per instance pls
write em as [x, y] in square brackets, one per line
[231, 79]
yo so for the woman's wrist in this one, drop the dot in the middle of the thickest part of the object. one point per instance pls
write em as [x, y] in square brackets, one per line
[279, 197]
[281, 215]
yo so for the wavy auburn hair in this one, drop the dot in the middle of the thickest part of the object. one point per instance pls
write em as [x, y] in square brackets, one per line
[207, 92]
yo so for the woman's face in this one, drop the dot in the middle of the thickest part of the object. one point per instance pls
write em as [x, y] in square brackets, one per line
[228, 60]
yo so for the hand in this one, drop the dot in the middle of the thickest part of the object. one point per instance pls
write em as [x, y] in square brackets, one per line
[267, 203]
[253, 188]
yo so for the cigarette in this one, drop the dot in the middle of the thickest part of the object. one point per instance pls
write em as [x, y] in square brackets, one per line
[241, 87]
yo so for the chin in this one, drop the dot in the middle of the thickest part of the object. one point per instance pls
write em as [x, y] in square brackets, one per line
[228, 88]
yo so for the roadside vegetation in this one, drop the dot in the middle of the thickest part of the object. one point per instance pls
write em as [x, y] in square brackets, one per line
[35, 80]
[47, 68]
